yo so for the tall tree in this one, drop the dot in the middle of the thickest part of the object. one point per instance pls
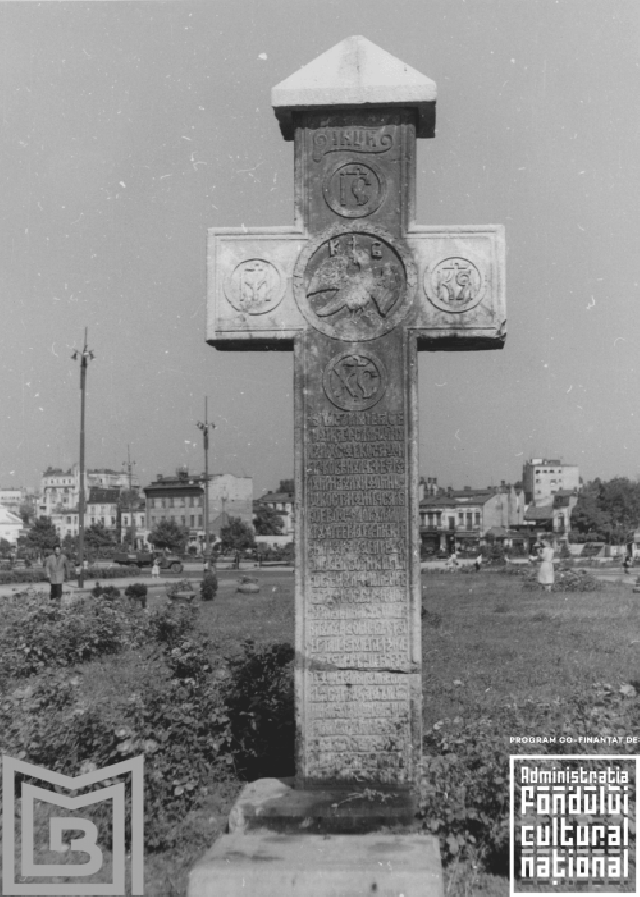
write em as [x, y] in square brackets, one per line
[96, 536]
[268, 521]
[236, 536]
[168, 534]
[609, 509]
[41, 539]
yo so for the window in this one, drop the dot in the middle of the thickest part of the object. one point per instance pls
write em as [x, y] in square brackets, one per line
[171, 503]
[183, 520]
[460, 517]
[452, 523]
[182, 502]
[125, 520]
[478, 518]
[192, 520]
[191, 501]
[163, 503]
[68, 519]
[199, 519]
[469, 521]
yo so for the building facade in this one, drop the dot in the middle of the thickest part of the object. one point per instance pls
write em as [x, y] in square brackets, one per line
[11, 525]
[12, 497]
[459, 520]
[229, 496]
[102, 508]
[178, 499]
[60, 489]
[542, 478]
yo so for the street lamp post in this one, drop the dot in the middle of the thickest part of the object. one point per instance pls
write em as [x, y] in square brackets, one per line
[204, 426]
[131, 505]
[85, 357]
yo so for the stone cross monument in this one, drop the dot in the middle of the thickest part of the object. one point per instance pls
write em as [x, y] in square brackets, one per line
[355, 288]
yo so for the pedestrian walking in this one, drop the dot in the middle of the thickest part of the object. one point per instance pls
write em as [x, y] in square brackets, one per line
[479, 561]
[155, 569]
[546, 573]
[56, 567]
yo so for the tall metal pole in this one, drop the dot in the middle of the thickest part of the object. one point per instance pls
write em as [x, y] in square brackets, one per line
[204, 426]
[131, 508]
[85, 357]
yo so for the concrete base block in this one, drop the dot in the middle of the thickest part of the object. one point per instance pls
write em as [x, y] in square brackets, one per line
[274, 805]
[268, 864]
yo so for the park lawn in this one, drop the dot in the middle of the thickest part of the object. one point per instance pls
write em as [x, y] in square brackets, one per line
[488, 641]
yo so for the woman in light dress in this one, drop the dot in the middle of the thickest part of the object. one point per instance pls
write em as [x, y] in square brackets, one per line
[155, 570]
[545, 573]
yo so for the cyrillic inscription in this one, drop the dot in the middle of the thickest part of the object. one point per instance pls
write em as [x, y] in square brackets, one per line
[353, 140]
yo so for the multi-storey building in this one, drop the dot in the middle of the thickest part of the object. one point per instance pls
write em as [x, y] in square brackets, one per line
[12, 497]
[60, 489]
[229, 496]
[462, 519]
[102, 508]
[11, 525]
[178, 498]
[542, 478]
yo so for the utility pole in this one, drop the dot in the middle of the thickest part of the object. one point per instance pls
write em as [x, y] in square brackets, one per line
[85, 357]
[204, 426]
[132, 512]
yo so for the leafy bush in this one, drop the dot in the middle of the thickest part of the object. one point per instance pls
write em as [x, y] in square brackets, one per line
[209, 586]
[260, 706]
[170, 626]
[465, 797]
[108, 592]
[49, 636]
[179, 724]
[136, 590]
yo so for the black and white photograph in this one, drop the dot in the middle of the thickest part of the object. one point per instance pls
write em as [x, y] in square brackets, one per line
[319, 447]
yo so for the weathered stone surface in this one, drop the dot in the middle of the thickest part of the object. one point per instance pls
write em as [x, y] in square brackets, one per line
[263, 863]
[357, 289]
[270, 804]
[355, 72]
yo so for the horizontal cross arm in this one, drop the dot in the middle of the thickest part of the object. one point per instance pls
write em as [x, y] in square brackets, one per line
[250, 293]
[461, 286]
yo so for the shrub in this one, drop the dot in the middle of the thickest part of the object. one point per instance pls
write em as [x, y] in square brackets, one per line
[179, 724]
[465, 796]
[49, 635]
[170, 626]
[259, 703]
[136, 590]
[209, 586]
[107, 592]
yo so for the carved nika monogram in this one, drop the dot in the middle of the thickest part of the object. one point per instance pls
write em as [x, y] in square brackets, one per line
[255, 286]
[355, 382]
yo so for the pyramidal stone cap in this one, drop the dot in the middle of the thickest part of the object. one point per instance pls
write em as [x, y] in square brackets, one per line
[355, 72]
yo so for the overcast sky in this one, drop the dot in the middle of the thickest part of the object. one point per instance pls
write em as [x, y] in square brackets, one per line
[129, 128]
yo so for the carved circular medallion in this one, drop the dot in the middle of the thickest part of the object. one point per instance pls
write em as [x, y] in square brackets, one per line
[355, 381]
[454, 284]
[255, 286]
[354, 283]
[353, 189]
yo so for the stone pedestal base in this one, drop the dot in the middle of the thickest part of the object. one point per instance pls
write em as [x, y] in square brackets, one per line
[269, 864]
[271, 804]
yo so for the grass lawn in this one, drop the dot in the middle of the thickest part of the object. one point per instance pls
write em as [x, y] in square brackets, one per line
[488, 642]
